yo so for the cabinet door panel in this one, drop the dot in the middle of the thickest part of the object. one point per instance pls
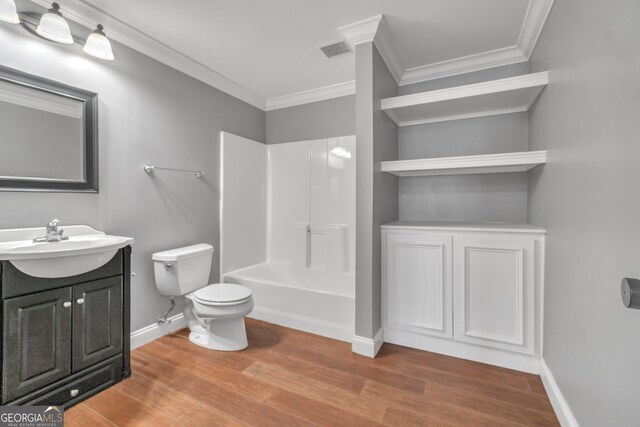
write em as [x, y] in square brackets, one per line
[494, 291]
[37, 341]
[97, 321]
[418, 283]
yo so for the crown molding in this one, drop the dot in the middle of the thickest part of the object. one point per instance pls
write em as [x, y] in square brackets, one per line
[466, 64]
[376, 30]
[373, 29]
[88, 16]
[382, 40]
[534, 21]
[535, 18]
[313, 95]
[362, 31]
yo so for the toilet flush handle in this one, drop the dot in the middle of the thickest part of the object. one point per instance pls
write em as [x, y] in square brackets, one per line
[168, 266]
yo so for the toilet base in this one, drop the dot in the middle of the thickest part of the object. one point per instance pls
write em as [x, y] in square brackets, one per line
[222, 334]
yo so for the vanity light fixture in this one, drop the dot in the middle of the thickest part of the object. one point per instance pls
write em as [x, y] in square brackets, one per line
[8, 12]
[98, 45]
[54, 27]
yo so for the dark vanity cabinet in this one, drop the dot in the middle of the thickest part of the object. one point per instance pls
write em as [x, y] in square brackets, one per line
[64, 339]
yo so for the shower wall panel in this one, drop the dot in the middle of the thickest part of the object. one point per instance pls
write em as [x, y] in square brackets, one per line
[243, 202]
[288, 188]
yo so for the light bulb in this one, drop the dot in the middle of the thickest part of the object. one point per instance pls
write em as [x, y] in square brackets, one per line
[54, 27]
[8, 12]
[98, 45]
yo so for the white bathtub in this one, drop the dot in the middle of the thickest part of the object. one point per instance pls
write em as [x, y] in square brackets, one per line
[307, 299]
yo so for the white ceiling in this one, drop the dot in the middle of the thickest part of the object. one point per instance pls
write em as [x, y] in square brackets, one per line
[269, 46]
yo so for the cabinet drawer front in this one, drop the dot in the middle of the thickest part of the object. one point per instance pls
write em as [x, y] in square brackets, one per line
[97, 321]
[36, 343]
[82, 388]
[418, 283]
[494, 291]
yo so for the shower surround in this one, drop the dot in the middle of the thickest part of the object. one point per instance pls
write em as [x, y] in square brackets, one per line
[288, 230]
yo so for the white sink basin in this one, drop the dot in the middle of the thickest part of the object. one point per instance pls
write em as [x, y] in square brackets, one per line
[86, 250]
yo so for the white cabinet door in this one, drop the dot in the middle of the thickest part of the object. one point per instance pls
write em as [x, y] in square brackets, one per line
[494, 287]
[417, 284]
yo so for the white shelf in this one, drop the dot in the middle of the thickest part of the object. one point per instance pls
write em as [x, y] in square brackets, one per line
[504, 96]
[461, 165]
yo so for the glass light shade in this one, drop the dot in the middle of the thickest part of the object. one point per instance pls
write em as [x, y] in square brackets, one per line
[98, 45]
[8, 12]
[54, 27]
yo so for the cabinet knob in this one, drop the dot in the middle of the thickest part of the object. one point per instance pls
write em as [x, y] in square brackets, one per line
[74, 392]
[80, 300]
[66, 304]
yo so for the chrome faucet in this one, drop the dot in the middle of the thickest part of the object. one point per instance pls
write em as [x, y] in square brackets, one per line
[54, 233]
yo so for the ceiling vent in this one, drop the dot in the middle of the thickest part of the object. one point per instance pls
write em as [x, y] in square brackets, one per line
[332, 49]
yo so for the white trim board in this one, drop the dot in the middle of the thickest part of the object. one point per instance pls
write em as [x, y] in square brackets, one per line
[368, 347]
[535, 18]
[382, 41]
[88, 15]
[153, 332]
[363, 31]
[559, 403]
[376, 30]
[466, 64]
[372, 29]
[314, 95]
[462, 350]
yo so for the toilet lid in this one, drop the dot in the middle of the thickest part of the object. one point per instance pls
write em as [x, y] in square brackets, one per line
[222, 292]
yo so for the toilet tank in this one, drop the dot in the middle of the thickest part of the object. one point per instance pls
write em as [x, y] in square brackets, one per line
[182, 270]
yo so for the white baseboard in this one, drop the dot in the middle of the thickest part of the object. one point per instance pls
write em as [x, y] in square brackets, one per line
[560, 405]
[518, 361]
[368, 346]
[303, 323]
[153, 332]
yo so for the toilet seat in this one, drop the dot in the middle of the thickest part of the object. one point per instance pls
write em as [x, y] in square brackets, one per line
[222, 294]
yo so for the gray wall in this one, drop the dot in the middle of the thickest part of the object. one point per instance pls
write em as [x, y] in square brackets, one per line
[148, 113]
[472, 198]
[376, 192]
[480, 197]
[588, 199]
[317, 120]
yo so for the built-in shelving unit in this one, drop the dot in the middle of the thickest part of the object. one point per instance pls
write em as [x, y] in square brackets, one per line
[504, 96]
[504, 260]
[460, 165]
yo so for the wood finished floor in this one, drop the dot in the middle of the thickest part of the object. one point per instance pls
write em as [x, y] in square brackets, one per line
[291, 378]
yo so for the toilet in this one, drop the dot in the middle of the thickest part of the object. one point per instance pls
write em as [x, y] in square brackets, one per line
[215, 313]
